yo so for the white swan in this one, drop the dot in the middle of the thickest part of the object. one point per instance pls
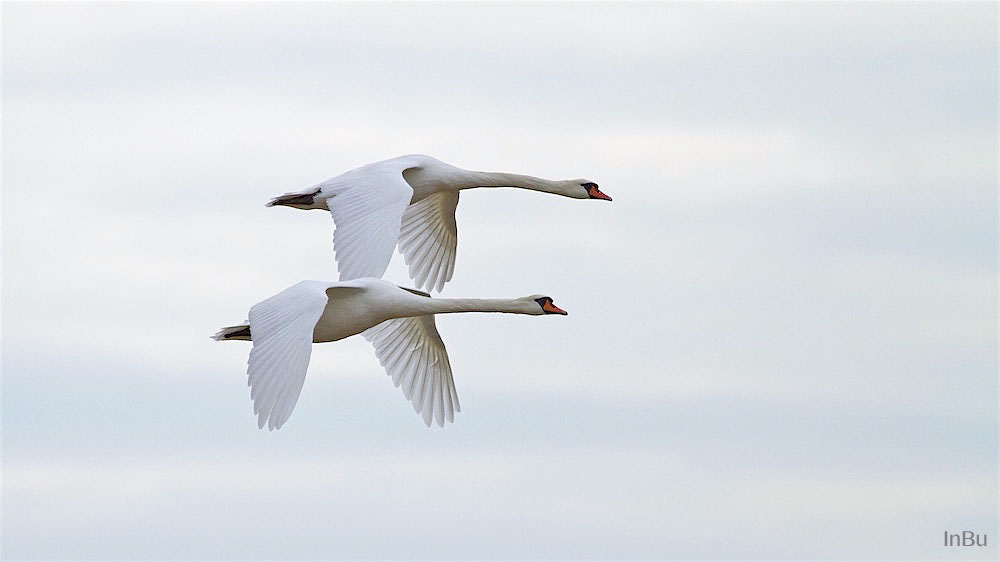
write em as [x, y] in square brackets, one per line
[409, 200]
[399, 322]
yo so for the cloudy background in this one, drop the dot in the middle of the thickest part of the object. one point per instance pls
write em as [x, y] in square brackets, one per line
[782, 338]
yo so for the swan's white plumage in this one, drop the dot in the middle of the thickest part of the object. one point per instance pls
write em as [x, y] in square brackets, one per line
[414, 356]
[399, 322]
[407, 201]
[428, 239]
[367, 211]
[410, 349]
[282, 329]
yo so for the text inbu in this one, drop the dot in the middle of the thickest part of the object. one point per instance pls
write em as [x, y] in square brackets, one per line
[967, 538]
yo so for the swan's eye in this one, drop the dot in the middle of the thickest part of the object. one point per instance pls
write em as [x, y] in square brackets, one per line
[589, 185]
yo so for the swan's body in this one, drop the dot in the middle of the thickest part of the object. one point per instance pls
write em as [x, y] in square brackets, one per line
[409, 201]
[399, 322]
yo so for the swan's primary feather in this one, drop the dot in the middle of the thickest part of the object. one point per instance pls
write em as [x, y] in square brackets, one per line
[414, 356]
[282, 332]
[282, 328]
[428, 239]
[367, 210]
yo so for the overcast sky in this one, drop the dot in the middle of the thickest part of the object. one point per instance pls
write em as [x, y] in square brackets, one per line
[782, 339]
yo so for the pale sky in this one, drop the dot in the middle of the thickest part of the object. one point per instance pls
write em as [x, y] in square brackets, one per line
[782, 334]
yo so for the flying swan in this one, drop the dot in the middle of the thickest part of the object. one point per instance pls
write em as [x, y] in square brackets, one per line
[409, 201]
[399, 322]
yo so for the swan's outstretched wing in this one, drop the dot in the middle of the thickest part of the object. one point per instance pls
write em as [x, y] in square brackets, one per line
[367, 210]
[281, 328]
[414, 356]
[428, 239]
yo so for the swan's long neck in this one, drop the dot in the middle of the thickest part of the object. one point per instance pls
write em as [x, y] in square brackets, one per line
[447, 306]
[472, 179]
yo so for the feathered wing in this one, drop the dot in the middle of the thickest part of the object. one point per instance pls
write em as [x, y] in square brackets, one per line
[367, 211]
[281, 328]
[428, 239]
[414, 356]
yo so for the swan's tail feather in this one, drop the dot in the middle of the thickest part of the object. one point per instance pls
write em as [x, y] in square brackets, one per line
[240, 332]
[300, 199]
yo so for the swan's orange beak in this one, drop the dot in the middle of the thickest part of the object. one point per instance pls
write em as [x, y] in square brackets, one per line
[597, 193]
[551, 308]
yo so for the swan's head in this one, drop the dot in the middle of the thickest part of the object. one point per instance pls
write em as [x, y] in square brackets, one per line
[538, 305]
[586, 189]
